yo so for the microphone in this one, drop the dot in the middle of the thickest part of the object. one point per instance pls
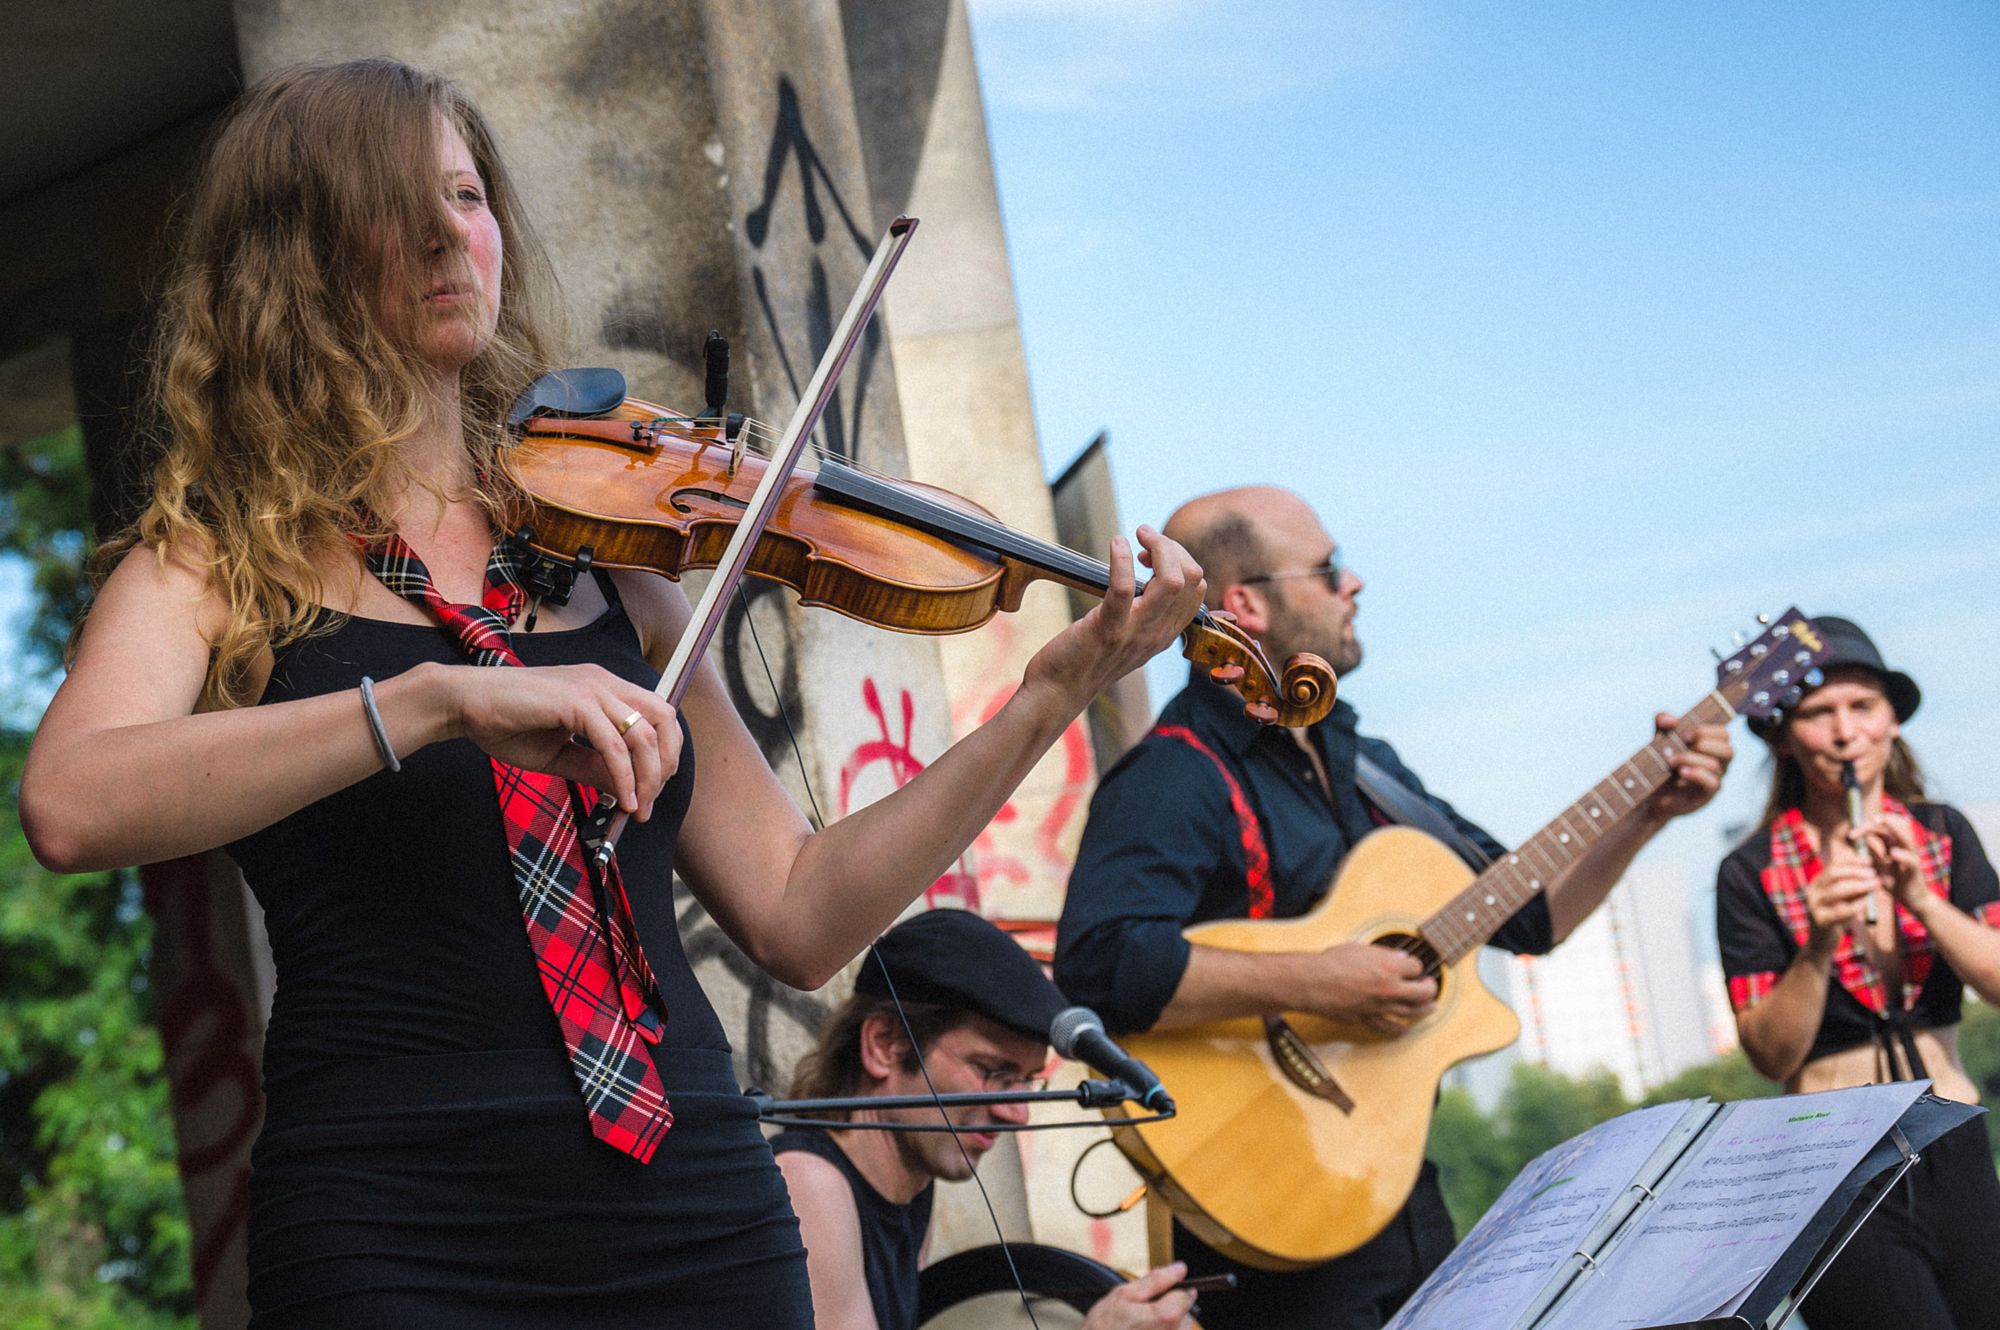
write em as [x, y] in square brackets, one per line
[1078, 1034]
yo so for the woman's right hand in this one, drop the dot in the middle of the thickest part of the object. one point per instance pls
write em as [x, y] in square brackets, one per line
[565, 720]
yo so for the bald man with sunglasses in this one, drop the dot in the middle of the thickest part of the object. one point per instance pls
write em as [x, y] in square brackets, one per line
[1166, 846]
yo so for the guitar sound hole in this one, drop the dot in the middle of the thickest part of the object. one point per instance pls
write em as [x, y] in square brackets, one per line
[1422, 950]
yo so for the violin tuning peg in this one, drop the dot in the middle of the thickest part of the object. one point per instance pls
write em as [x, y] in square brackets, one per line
[1226, 675]
[1223, 615]
[1261, 712]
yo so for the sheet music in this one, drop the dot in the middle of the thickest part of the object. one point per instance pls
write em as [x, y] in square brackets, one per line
[1529, 1233]
[1726, 1214]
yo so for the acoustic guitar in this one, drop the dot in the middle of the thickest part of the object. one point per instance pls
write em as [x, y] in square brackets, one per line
[1299, 1138]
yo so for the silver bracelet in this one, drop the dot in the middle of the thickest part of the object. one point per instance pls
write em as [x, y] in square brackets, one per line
[381, 732]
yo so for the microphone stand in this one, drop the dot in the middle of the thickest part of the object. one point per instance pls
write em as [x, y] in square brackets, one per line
[1090, 1094]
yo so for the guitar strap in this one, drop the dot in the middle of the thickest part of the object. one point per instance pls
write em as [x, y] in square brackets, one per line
[1403, 804]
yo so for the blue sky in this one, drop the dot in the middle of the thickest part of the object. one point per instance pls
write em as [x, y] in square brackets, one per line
[1592, 330]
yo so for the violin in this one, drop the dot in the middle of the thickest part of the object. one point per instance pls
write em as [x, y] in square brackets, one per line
[619, 482]
[650, 489]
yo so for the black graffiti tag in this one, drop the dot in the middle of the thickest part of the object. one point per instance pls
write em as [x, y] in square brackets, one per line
[841, 426]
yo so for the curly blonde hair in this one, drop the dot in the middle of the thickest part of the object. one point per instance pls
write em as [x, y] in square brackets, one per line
[278, 393]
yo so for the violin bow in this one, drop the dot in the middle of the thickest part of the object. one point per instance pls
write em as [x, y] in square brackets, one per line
[606, 823]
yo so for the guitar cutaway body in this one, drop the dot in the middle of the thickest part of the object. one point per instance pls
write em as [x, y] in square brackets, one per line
[1297, 1142]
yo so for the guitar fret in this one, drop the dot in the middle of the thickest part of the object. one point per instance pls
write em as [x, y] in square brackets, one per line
[1517, 877]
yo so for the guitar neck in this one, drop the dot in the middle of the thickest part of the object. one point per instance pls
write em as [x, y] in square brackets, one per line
[1517, 877]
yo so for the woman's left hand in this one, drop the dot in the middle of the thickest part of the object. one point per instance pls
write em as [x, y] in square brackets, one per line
[1125, 629]
[1892, 847]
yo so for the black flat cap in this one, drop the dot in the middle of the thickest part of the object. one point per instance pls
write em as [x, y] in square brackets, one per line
[955, 958]
[1848, 645]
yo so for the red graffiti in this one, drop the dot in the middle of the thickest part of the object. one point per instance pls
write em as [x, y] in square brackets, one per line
[205, 1028]
[959, 886]
[994, 864]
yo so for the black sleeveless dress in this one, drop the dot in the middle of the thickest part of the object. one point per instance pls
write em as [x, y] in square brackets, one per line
[425, 1157]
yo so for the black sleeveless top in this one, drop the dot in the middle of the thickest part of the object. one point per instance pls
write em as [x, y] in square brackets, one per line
[892, 1235]
[394, 920]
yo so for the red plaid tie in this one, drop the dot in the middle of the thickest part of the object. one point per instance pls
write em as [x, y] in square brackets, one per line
[591, 964]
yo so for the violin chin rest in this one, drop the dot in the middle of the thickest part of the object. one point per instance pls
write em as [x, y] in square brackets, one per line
[576, 393]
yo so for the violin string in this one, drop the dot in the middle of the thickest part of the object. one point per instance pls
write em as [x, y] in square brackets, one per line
[819, 818]
[757, 430]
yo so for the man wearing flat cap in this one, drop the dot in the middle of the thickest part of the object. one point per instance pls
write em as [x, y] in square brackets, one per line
[980, 1011]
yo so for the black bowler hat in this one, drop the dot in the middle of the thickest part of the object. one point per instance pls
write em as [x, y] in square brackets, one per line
[954, 958]
[1847, 645]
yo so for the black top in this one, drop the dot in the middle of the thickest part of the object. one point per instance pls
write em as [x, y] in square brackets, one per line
[394, 919]
[891, 1235]
[1162, 851]
[1757, 945]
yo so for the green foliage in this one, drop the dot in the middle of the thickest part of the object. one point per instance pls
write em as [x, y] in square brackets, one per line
[92, 1230]
[1979, 1047]
[1474, 1161]
[45, 523]
[1726, 1079]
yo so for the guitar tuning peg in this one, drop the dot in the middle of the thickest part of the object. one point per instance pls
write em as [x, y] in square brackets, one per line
[1736, 639]
[1764, 619]
[1226, 675]
[1261, 712]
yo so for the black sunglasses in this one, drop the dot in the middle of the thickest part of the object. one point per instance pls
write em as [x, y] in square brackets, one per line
[1330, 570]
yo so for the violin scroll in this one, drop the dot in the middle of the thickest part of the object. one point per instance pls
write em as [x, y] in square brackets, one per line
[1301, 695]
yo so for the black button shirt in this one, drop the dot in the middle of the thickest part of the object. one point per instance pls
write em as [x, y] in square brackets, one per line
[1162, 848]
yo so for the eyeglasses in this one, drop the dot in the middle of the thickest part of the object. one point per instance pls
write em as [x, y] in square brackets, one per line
[996, 1078]
[1330, 570]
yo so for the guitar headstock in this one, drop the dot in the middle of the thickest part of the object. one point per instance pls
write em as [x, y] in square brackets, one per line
[1772, 671]
[1299, 696]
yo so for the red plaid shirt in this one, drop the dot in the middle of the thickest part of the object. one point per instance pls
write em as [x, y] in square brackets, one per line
[1794, 863]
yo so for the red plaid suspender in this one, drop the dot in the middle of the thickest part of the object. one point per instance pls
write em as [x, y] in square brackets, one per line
[1256, 856]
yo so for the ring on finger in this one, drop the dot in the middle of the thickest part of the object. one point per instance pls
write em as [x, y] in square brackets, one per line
[628, 723]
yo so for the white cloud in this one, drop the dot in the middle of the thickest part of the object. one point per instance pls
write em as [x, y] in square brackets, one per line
[1104, 56]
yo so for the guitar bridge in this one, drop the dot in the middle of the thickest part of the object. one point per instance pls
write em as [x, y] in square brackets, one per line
[1302, 1065]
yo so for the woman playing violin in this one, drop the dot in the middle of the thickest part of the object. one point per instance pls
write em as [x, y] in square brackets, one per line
[1849, 923]
[496, 1095]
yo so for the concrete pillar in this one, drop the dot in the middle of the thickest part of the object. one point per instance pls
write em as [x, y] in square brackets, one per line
[1086, 506]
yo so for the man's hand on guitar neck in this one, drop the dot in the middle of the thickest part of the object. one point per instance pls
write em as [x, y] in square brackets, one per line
[1354, 983]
